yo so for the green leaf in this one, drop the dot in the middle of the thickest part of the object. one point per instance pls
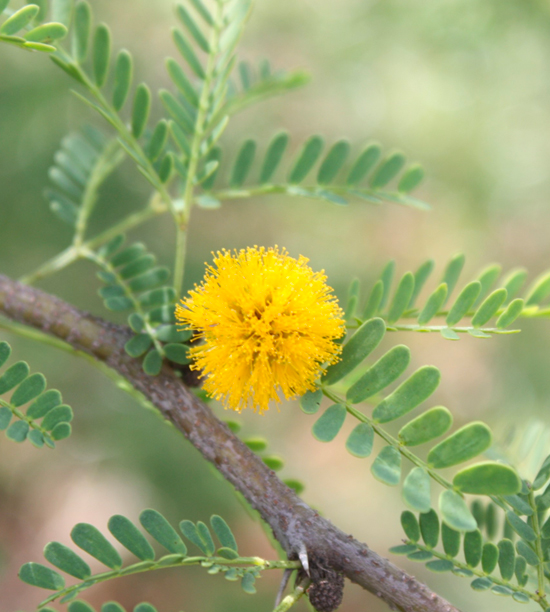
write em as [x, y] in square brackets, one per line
[306, 159]
[130, 537]
[178, 353]
[139, 344]
[80, 606]
[386, 277]
[189, 530]
[512, 312]
[539, 291]
[152, 362]
[428, 426]
[373, 303]
[328, 425]
[387, 170]
[141, 109]
[489, 557]
[416, 490]
[67, 561]
[488, 478]
[381, 374]
[223, 533]
[274, 462]
[463, 445]
[411, 178]
[47, 32]
[62, 11]
[429, 528]
[180, 80]
[41, 576]
[452, 272]
[243, 163]
[61, 431]
[17, 431]
[421, 555]
[402, 298]
[36, 438]
[160, 529]
[487, 277]
[524, 531]
[408, 395]
[14, 375]
[420, 278]
[440, 565]
[149, 280]
[310, 402]
[296, 485]
[5, 417]
[463, 303]
[387, 466]
[410, 526]
[203, 12]
[171, 333]
[157, 297]
[158, 140]
[273, 156]
[187, 53]
[433, 304]
[489, 307]
[455, 512]
[333, 162]
[256, 444]
[360, 440]
[527, 553]
[227, 553]
[473, 546]
[514, 281]
[247, 583]
[29, 389]
[101, 54]
[192, 27]
[5, 352]
[145, 607]
[403, 549]
[44, 403]
[481, 584]
[449, 334]
[82, 30]
[19, 20]
[450, 539]
[59, 414]
[519, 568]
[91, 540]
[542, 475]
[360, 345]
[123, 78]
[364, 164]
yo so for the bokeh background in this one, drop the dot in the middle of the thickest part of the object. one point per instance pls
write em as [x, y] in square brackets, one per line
[460, 85]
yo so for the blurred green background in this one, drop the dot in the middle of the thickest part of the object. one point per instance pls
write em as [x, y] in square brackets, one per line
[460, 85]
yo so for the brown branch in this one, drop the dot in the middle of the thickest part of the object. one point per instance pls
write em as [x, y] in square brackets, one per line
[293, 522]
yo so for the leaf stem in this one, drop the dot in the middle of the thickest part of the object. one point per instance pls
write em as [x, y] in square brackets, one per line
[73, 253]
[170, 561]
[183, 215]
[538, 545]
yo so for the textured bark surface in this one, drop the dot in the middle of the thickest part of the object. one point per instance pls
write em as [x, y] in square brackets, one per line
[294, 523]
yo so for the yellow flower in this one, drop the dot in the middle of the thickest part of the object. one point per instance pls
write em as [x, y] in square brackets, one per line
[267, 323]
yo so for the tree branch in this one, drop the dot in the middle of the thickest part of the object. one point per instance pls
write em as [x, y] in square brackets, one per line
[293, 522]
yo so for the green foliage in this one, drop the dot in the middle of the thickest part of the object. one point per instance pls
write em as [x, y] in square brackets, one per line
[133, 282]
[86, 158]
[45, 419]
[367, 382]
[220, 558]
[23, 27]
[486, 298]
[327, 185]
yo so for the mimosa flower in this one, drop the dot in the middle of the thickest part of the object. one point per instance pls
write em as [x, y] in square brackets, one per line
[264, 323]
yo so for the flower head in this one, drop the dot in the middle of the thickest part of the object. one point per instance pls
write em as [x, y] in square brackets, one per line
[267, 323]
